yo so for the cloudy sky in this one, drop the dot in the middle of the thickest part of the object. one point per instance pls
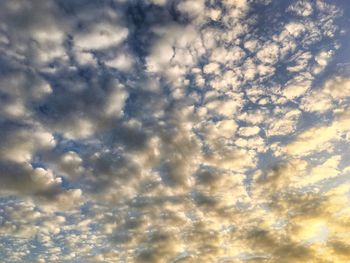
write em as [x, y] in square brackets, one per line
[175, 131]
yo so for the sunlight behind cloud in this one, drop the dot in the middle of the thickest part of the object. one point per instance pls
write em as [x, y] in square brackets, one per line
[174, 131]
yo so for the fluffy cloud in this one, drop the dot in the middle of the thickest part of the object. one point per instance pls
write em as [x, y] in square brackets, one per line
[153, 131]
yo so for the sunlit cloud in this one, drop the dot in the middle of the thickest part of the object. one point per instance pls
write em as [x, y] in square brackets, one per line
[174, 131]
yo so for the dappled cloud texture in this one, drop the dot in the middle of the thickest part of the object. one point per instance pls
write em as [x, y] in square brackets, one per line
[174, 131]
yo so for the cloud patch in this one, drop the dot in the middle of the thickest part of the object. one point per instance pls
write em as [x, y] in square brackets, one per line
[167, 131]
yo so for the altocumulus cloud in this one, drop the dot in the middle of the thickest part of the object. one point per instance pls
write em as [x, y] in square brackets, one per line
[174, 131]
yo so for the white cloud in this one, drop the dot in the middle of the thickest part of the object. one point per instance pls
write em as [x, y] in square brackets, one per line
[249, 131]
[133, 131]
[284, 123]
[191, 8]
[301, 8]
[297, 87]
[226, 108]
[318, 139]
[21, 143]
[100, 36]
[122, 62]
[211, 68]
[70, 164]
[269, 53]
[326, 98]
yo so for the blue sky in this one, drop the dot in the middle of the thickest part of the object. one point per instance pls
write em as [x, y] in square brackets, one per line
[174, 131]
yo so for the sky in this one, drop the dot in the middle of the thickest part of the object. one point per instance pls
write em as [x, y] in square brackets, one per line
[175, 131]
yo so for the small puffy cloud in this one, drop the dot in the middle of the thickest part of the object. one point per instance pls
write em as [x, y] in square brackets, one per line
[225, 107]
[191, 8]
[251, 45]
[284, 123]
[255, 143]
[248, 131]
[224, 56]
[220, 129]
[215, 14]
[122, 62]
[230, 157]
[73, 109]
[70, 164]
[22, 178]
[211, 68]
[301, 8]
[296, 89]
[62, 201]
[300, 62]
[170, 54]
[21, 142]
[39, 23]
[100, 36]
[253, 117]
[269, 53]
[151, 131]
[26, 87]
